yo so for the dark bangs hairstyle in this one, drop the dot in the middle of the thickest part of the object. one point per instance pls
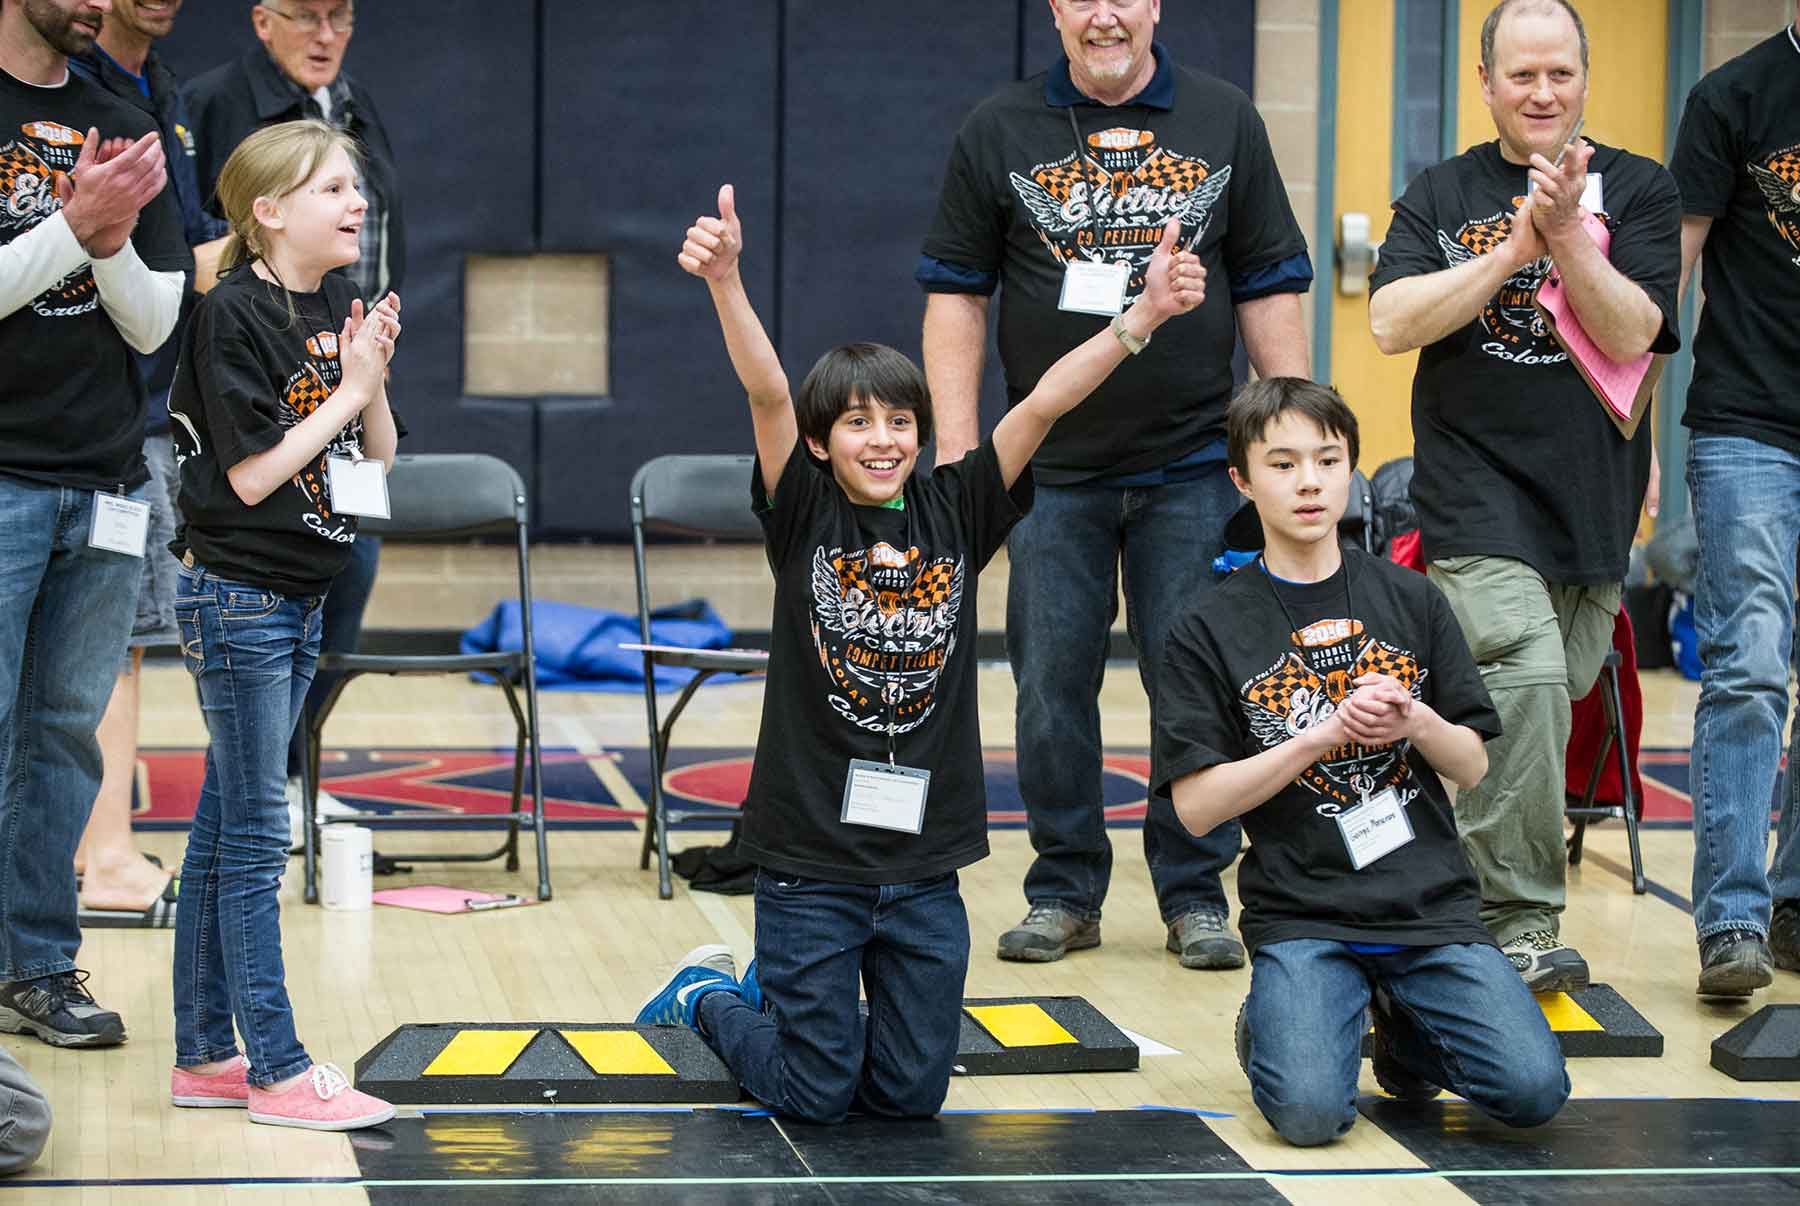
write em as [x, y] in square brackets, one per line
[861, 372]
[1262, 402]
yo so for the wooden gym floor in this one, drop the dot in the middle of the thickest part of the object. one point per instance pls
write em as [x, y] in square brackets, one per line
[604, 941]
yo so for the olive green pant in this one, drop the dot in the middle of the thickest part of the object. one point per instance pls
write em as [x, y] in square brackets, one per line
[1538, 645]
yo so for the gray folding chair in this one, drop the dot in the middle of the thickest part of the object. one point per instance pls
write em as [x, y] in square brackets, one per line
[449, 496]
[707, 497]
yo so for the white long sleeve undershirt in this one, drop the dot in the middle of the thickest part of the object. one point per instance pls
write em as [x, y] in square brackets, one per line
[143, 305]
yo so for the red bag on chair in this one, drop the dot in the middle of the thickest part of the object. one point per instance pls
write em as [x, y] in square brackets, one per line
[1588, 729]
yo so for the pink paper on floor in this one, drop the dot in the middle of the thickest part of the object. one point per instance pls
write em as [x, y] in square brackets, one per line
[437, 898]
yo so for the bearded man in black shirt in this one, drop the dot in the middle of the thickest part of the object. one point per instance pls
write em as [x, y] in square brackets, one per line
[92, 264]
[1527, 494]
[1056, 193]
[1737, 160]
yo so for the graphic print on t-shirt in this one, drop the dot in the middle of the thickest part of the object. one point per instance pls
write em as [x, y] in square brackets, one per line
[1307, 684]
[1515, 330]
[1779, 178]
[884, 626]
[307, 388]
[1133, 185]
[30, 166]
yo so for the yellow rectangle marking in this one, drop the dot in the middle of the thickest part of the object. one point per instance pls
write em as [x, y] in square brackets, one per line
[617, 1052]
[1561, 1011]
[1021, 1025]
[480, 1053]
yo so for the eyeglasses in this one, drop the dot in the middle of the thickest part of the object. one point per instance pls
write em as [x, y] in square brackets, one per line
[341, 19]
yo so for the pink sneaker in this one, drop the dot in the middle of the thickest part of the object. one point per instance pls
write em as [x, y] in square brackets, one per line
[225, 1089]
[321, 1100]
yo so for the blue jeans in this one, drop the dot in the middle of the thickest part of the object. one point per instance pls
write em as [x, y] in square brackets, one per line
[343, 619]
[252, 653]
[1747, 514]
[1065, 558]
[1463, 1021]
[809, 1053]
[65, 614]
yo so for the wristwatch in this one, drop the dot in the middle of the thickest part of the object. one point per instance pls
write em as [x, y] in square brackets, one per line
[1132, 343]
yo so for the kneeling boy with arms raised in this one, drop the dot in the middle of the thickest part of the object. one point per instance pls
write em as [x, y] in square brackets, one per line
[867, 793]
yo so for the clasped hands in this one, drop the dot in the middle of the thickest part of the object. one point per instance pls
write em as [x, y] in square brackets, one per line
[1552, 211]
[1379, 712]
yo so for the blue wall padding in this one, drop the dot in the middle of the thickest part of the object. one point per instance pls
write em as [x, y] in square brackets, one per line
[608, 130]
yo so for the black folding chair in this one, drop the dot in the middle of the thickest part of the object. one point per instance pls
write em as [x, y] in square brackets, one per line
[448, 496]
[706, 497]
[1581, 811]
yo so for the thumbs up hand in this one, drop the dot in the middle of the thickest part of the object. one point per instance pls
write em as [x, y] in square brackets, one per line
[711, 248]
[1174, 281]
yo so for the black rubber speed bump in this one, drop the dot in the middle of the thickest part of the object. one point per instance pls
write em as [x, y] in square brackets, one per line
[544, 1063]
[1594, 1021]
[1764, 1046]
[1002, 1035]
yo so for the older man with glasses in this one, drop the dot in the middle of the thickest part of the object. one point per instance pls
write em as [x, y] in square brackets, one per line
[297, 71]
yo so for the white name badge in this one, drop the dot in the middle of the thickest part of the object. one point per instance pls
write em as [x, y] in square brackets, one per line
[1375, 827]
[121, 525]
[1593, 195]
[1095, 288]
[885, 797]
[358, 487]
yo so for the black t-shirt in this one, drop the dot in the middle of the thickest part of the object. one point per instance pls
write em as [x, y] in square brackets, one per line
[1737, 160]
[866, 597]
[247, 373]
[1513, 455]
[71, 403]
[1014, 202]
[1239, 679]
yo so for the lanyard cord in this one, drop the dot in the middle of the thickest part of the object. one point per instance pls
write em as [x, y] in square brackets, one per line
[1081, 167]
[1349, 608]
[891, 690]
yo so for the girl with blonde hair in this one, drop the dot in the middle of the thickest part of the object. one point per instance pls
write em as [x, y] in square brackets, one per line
[284, 436]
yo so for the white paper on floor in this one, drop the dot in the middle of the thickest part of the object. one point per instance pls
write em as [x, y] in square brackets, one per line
[1146, 1045]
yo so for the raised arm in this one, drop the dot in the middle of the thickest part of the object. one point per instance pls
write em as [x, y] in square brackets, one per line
[1174, 283]
[955, 346]
[711, 252]
[1614, 309]
[1419, 310]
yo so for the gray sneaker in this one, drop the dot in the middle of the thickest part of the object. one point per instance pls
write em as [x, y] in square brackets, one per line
[1199, 936]
[1545, 964]
[1047, 934]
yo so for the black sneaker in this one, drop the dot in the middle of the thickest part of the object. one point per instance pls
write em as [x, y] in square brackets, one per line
[1390, 1074]
[1241, 1037]
[60, 1010]
[1784, 935]
[1734, 963]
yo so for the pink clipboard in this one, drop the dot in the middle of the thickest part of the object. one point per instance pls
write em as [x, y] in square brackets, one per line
[1623, 390]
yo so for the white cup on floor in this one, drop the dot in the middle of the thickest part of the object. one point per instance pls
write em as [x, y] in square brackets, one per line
[348, 879]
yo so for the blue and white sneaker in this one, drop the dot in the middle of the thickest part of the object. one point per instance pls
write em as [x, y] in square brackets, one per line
[702, 970]
[750, 989]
